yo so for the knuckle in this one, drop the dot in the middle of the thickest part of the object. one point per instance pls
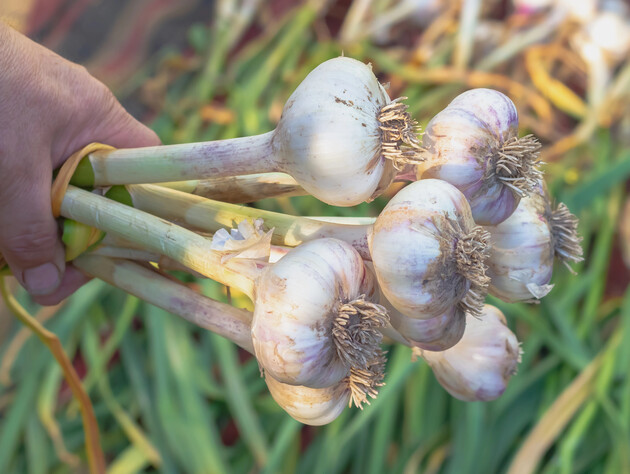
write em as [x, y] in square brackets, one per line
[32, 242]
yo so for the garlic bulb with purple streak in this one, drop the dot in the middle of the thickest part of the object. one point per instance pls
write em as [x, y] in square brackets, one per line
[480, 365]
[314, 321]
[525, 245]
[428, 253]
[473, 144]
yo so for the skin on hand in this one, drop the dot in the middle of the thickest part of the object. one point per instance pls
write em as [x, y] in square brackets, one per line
[49, 108]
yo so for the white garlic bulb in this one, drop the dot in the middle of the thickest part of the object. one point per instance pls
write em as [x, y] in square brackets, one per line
[473, 144]
[480, 365]
[340, 134]
[428, 253]
[311, 406]
[525, 245]
[314, 321]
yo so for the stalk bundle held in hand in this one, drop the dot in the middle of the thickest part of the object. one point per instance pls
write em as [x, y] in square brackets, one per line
[418, 274]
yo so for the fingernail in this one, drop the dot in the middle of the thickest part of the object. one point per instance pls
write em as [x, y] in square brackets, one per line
[42, 280]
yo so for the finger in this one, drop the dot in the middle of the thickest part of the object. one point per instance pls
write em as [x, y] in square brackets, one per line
[29, 238]
[72, 280]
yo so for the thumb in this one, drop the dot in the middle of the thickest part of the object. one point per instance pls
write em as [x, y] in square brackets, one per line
[29, 237]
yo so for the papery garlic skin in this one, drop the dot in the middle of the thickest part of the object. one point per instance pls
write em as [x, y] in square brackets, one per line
[311, 406]
[414, 245]
[473, 144]
[479, 366]
[524, 246]
[298, 300]
[521, 257]
[329, 137]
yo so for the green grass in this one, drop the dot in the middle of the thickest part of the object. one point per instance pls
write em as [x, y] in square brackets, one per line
[172, 398]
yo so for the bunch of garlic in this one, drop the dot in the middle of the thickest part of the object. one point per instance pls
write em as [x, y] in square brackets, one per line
[321, 311]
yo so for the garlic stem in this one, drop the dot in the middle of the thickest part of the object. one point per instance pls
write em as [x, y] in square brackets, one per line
[225, 320]
[241, 189]
[138, 255]
[214, 159]
[158, 235]
[210, 216]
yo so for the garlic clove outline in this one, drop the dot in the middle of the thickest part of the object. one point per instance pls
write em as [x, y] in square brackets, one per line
[479, 367]
[311, 406]
[473, 144]
[314, 319]
[428, 253]
[436, 334]
[320, 406]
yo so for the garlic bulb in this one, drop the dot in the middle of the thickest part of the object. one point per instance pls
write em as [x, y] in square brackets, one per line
[340, 137]
[314, 321]
[524, 246]
[473, 144]
[480, 365]
[311, 406]
[428, 254]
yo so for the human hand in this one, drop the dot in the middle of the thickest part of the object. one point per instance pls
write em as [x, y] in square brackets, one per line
[49, 108]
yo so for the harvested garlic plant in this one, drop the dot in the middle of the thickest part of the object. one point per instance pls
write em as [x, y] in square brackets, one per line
[480, 365]
[428, 253]
[340, 137]
[473, 144]
[524, 246]
[314, 322]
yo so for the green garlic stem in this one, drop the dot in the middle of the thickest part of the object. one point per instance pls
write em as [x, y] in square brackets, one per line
[158, 235]
[156, 164]
[241, 189]
[210, 216]
[225, 320]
